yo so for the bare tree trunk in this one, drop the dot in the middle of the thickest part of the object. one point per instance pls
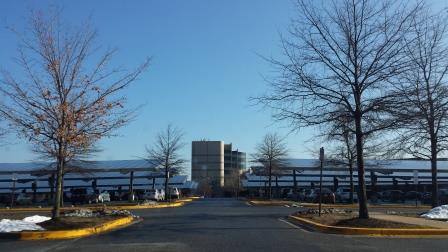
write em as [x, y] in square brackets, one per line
[57, 200]
[435, 189]
[352, 187]
[270, 181]
[362, 197]
[277, 191]
[62, 191]
[52, 187]
[167, 193]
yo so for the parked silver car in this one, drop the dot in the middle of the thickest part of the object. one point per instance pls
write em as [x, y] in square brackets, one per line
[343, 195]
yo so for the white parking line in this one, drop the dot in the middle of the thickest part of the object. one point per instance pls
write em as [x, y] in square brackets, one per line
[293, 225]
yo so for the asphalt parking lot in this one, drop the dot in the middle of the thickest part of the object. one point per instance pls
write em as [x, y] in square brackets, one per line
[223, 225]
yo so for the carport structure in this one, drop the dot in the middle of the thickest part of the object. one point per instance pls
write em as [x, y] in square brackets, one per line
[106, 175]
[305, 173]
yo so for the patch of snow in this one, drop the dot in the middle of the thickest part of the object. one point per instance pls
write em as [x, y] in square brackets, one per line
[28, 223]
[7, 225]
[440, 212]
[36, 219]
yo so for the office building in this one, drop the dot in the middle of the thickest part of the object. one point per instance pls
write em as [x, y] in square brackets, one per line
[213, 161]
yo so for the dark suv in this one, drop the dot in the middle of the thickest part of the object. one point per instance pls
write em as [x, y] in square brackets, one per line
[393, 196]
[328, 196]
[82, 196]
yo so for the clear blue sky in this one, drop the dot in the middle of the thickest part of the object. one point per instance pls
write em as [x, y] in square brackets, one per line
[205, 68]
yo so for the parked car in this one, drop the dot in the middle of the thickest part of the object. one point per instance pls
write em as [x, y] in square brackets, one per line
[412, 195]
[393, 196]
[289, 193]
[307, 195]
[104, 196]
[5, 199]
[373, 196]
[174, 193]
[298, 195]
[443, 196]
[161, 194]
[135, 196]
[301, 194]
[343, 195]
[426, 198]
[152, 194]
[328, 196]
[82, 196]
[23, 199]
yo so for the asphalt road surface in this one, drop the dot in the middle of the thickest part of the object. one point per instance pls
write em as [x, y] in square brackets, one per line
[223, 225]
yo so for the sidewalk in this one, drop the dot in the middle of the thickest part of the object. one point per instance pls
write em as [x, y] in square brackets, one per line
[410, 220]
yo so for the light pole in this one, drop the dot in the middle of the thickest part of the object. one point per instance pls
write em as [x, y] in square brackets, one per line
[321, 158]
[14, 179]
[238, 172]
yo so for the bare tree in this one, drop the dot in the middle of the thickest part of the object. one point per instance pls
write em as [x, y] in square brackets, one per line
[205, 187]
[422, 93]
[341, 54]
[165, 153]
[65, 102]
[233, 182]
[271, 153]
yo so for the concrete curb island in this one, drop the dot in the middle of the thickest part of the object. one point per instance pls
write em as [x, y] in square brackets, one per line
[178, 203]
[83, 232]
[304, 204]
[424, 232]
[72, 233]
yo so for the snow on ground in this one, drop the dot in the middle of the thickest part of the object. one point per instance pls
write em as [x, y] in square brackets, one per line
[28, 223]
[440, 212]
[36, 219]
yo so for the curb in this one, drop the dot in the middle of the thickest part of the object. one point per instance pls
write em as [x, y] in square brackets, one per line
[185, 200]
[124, 207]
[369, 231]
[70, 234]
[304, 204]
[162, 205]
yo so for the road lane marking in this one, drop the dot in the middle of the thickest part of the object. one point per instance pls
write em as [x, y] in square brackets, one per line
[293, 225]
